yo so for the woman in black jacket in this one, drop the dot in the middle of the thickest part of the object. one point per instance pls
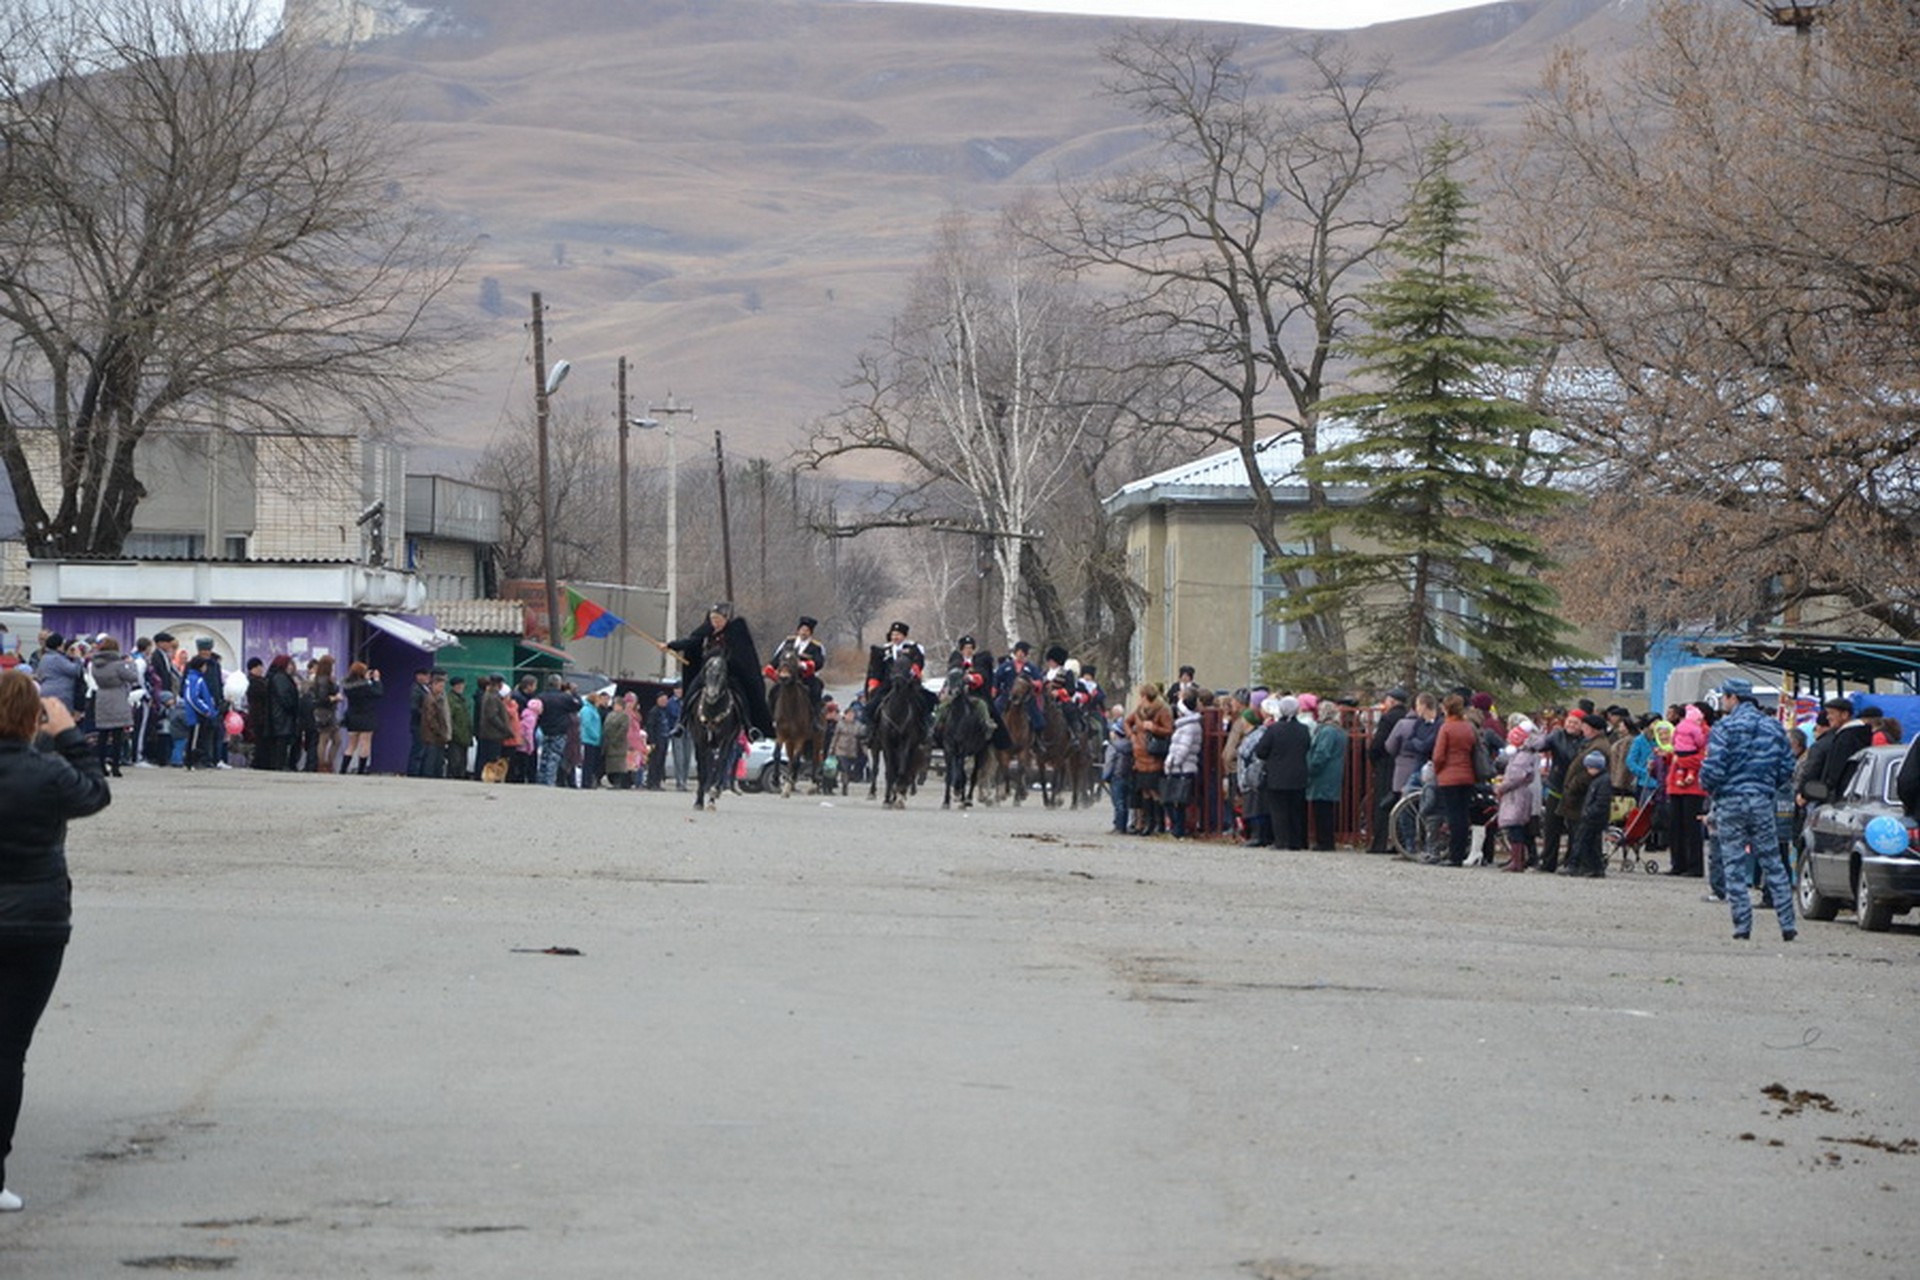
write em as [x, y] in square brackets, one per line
[40, 790]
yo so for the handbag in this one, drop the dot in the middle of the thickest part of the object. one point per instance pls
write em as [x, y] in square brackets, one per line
[1176, 788]
[1158, 745]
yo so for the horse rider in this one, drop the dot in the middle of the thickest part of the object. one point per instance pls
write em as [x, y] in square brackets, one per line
[899, 654]
[802, 646]
[1015, 666]
[974, 669]
[722, 631]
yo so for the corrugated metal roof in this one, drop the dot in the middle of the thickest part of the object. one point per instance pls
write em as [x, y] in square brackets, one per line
[1222, 476]
[483, 617]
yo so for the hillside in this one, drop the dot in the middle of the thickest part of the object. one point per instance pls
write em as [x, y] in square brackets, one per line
[732, 193]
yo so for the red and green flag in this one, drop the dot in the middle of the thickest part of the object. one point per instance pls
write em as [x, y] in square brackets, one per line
[585, 618]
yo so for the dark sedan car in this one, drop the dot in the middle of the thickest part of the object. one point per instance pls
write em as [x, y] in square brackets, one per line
[1839, 867]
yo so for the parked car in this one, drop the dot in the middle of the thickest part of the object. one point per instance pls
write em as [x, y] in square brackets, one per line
[755, 768]
[1840, 867]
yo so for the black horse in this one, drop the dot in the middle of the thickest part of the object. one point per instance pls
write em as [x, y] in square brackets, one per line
[714, 722]
[897, 712]
[965, 734]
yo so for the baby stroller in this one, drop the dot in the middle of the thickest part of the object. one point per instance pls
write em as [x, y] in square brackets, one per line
[1629, 835]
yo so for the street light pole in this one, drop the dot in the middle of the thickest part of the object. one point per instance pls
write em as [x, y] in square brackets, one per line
[625, 578]
[665, 423]
[545, 383]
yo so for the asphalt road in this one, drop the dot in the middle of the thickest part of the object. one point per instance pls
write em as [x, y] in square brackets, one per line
[306, 1030]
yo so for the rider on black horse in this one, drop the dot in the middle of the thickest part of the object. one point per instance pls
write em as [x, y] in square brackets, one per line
[898, 655]
[721, 630]
[802, 646]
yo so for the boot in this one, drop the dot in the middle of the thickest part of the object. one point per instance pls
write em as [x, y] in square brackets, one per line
[365, 761]
[1516, 856]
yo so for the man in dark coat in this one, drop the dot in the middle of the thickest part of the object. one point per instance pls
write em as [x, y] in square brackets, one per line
[721, 630]
[810, 655]
[1284, 748]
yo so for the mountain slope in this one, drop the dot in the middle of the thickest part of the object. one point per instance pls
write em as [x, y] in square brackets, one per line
[733, 193]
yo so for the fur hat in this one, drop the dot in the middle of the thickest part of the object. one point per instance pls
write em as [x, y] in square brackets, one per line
[1056, 654]
[722, 607]
[901, 627]
[805, 621]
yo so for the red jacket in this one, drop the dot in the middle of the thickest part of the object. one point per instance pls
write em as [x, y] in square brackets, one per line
[1453, 754]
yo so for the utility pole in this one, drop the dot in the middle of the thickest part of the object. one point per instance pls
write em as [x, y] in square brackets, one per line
[626, 579]
[726, 525]
[544, 385]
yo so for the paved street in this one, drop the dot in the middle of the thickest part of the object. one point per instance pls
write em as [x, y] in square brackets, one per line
[306, 1030]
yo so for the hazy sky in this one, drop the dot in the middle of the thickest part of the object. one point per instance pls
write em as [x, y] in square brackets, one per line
[1275, 13]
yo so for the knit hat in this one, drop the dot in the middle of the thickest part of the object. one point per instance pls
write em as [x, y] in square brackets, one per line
[1595, 760]
[1484, 701]
[1289, 707]
[1310, 703]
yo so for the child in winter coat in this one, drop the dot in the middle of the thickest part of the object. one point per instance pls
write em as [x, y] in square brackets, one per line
[1596, 811]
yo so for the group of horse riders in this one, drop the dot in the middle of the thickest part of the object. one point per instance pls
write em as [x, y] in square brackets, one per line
[1063, 680]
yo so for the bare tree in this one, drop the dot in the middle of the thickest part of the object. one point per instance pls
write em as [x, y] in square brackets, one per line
[582, 483]
[1236, 256]
[199, 227]
[986, 388]
[863, 584]
[1725, 242]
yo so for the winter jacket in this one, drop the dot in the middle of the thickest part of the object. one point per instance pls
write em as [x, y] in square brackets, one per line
[114, 679]
[59, 677]
[496, 718]
[1183, 753]
[1640, 758]
[1378, 751]
[1848, 741]
[280, 717]
[1453, 754]
[1326, 762]
[436, 721]
[1237, 729]
[1148, 720]
[1689, 744]
[197, 694]
[1516, 785]
[1596, 803]
[460, 719]
[1253, 770]
[1411, 745]
[1284, 747]
[1747, 755]
[40, 790]
[363, 705]
[615, 753]
[590, 725]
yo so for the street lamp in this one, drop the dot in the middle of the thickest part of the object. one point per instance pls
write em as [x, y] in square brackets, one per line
[545, 383]
[665, 424]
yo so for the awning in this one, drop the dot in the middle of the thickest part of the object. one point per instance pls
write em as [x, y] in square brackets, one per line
[419, 637]
[546, 650]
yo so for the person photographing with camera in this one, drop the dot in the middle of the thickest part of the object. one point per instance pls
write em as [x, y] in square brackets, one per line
[48, 775]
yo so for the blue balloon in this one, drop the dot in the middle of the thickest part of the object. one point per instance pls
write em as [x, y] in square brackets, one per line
[1887, 835]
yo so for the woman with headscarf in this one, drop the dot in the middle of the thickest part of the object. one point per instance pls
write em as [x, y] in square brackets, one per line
[1326, 773]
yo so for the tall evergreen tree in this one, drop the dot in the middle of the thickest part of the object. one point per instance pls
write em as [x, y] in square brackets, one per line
[1435, 569]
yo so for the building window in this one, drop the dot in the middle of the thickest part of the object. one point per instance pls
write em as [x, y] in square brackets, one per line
[1269, 634]
[162, 546]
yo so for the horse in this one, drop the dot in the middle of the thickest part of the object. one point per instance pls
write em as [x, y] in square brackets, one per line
[1059, 756]
[1018, 758]
[897, 713]
[796, 733]
[966, 735]
[714, 724]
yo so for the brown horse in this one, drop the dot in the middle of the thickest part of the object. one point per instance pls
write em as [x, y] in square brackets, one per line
[1058, 755]
[796, 733]
[1016, 763]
